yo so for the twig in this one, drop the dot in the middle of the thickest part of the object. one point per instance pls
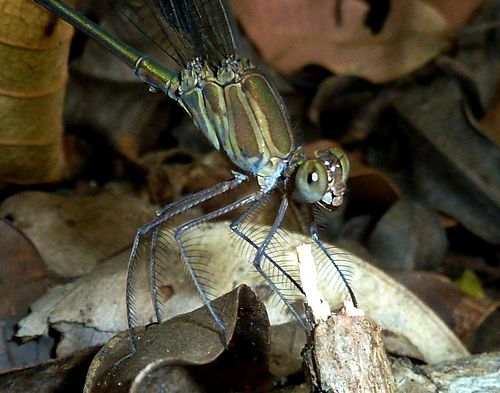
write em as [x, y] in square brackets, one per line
[345, 352]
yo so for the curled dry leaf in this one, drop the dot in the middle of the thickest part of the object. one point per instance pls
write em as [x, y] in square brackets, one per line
[66, 374]
[370, 186]
[34, 48]
[75, 233]
[98, 299]
[190, 339]
[293, 34]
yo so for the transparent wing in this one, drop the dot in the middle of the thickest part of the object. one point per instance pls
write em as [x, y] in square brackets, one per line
[183, 29]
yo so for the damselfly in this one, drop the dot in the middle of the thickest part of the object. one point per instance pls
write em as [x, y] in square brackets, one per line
[242, 115]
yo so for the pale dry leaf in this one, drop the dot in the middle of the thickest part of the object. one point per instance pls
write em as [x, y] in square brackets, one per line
[384, 300]
[73, 234]
[37, 322]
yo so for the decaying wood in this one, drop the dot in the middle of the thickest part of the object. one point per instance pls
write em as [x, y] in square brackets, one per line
[479, 373]
[345, 352]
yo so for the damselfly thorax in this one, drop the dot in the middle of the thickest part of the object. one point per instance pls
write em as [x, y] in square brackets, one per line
[241, 114]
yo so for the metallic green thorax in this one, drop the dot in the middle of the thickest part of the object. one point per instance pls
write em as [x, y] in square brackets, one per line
[240, 113]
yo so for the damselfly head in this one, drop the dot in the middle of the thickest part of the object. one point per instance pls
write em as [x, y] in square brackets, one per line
[322, 179]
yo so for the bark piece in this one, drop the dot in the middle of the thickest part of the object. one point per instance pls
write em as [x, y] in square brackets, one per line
[346, 354]
[478, 373]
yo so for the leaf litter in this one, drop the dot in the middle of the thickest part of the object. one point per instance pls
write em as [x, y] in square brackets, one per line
[90, 302]
[411, 128]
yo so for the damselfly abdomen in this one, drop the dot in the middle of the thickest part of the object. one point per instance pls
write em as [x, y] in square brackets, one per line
[243, 116]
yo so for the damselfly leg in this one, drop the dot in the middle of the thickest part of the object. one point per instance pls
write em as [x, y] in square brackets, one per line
[165, 214]
[190, 225]
[260, 253]
[285, 278]
[340, 272]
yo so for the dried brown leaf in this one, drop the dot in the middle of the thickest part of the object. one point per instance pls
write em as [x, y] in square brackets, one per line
[293, 34]
[457, 13]
[191, 339]
[461, 312]
[24, 277]
[370, 186]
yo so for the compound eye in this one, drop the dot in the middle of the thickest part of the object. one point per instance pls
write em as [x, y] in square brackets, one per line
[311, 182]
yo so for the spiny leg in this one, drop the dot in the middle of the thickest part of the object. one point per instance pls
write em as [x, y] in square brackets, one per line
[314, 235]
[185, 257]
[152, 273]
[163, 215]
[236, 228]
[261, 253]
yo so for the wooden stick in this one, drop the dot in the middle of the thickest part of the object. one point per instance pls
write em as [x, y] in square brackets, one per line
[345, 352]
